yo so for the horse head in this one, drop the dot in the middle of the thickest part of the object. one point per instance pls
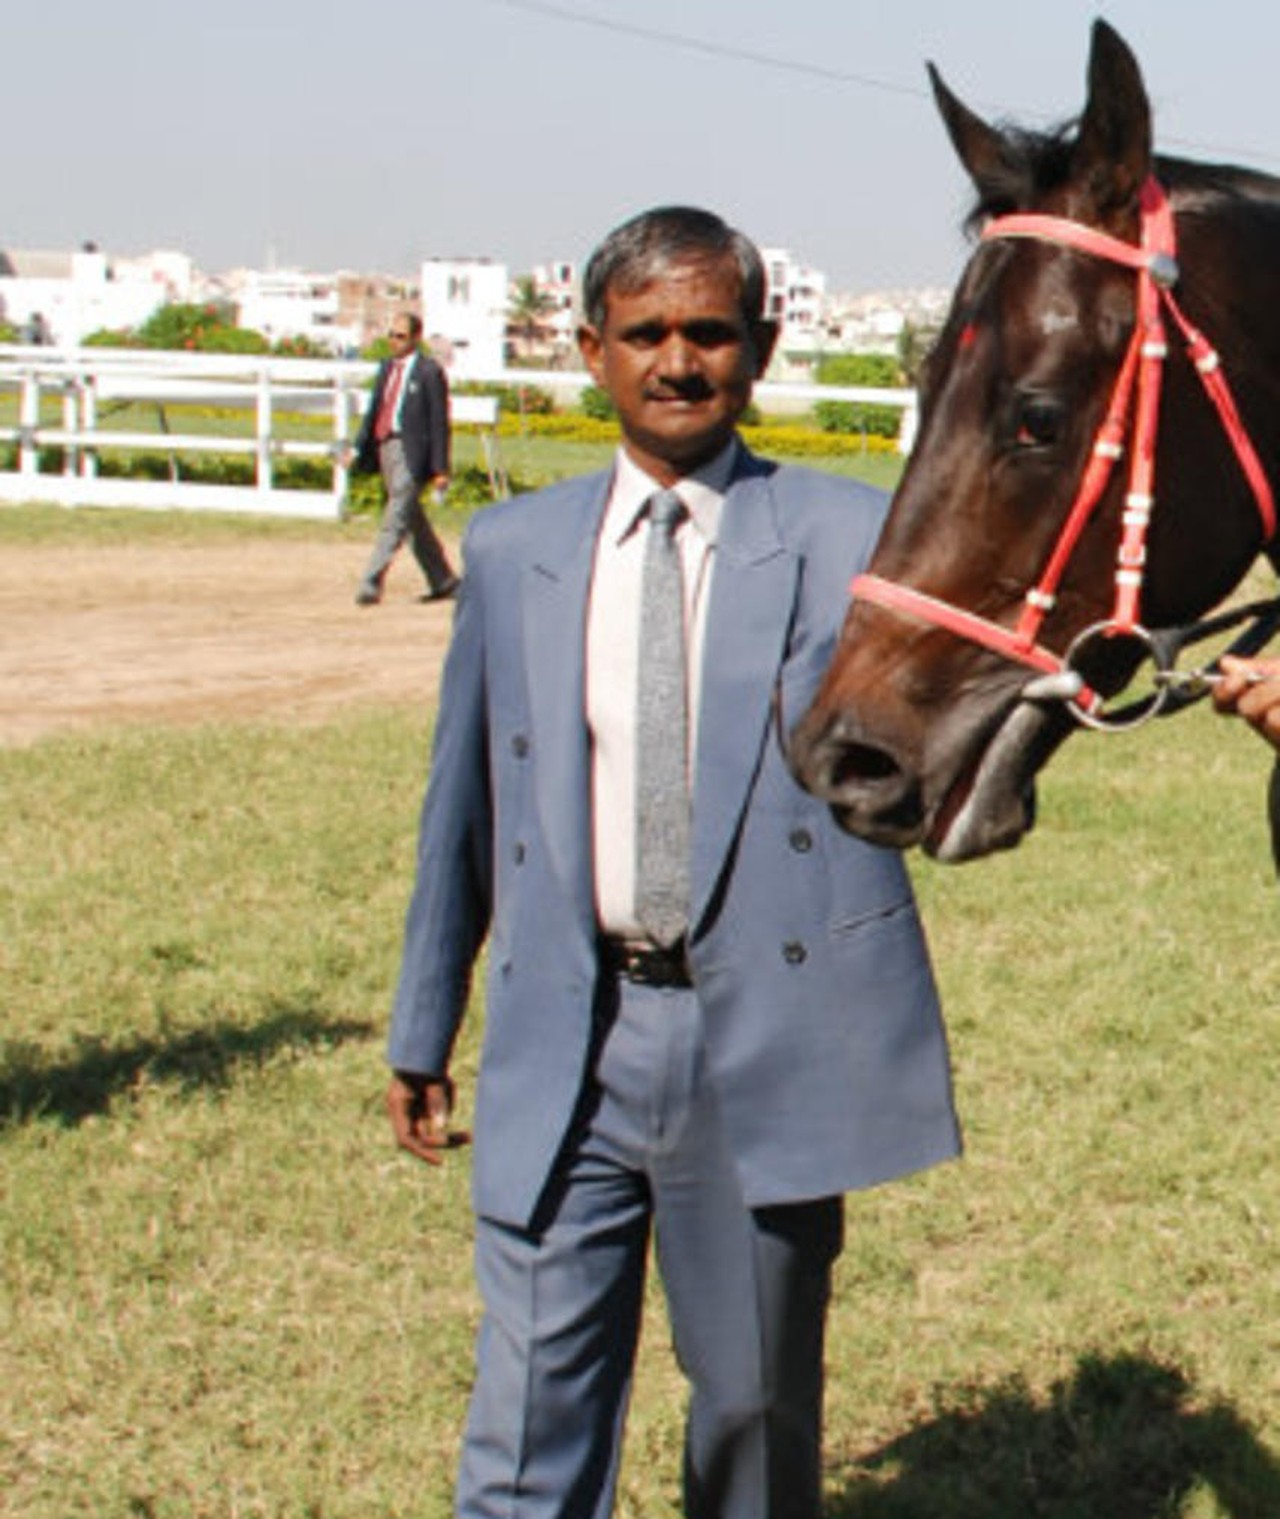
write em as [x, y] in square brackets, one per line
[929, 726]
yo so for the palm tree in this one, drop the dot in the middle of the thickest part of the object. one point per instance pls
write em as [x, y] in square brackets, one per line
[527, 313]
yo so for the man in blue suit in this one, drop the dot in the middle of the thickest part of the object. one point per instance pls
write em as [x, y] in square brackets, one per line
[722, 1088]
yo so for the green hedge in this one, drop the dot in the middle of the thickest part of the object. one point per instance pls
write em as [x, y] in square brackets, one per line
[857, 417]
[797, 440]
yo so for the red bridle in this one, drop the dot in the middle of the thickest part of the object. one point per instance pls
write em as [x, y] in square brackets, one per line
[1154, 260]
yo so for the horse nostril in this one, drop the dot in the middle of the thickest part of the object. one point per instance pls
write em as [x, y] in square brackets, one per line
[860, 763]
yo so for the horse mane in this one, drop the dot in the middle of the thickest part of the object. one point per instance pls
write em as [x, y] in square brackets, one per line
[1035, 162]
[1209, 186]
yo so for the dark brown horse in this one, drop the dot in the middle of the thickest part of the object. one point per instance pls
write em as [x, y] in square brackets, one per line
[1062, 509]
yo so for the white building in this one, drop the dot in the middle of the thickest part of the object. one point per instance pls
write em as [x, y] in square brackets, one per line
[795, 297]
[288, 303]
[464, 313]
[873, 322]
[75, 294]
[559, 282]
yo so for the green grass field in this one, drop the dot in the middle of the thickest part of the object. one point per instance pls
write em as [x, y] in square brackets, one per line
[225, 1295]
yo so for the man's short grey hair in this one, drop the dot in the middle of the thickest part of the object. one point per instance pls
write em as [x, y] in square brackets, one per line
[640, 250]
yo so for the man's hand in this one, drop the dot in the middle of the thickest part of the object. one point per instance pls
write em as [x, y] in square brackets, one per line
[419, 1108]
[1251, 688]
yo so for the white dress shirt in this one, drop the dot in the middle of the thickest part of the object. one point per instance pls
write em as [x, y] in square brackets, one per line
[613, 654]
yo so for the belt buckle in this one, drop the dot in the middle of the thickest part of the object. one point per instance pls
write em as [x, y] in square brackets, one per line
[653, 966]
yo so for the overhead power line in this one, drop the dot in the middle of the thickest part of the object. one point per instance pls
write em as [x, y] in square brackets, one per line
[820, 71]
[714, 49]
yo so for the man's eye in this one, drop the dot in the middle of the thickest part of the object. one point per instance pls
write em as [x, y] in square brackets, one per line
[711, 334]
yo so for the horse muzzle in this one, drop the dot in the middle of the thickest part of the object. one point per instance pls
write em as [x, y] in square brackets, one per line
[870, 793]
[976, 801]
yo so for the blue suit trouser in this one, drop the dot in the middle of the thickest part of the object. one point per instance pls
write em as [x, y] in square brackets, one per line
[747, 1293]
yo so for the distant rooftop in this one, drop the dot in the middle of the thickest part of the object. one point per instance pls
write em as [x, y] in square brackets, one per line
[35, 264]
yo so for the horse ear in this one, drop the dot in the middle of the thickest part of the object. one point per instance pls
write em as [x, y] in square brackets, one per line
[980, 147]
[1112, 155]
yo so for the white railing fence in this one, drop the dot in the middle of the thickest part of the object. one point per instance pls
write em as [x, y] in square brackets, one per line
[88, 382]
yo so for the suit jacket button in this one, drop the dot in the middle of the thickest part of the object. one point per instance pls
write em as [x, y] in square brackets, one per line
[794, 953]
[520, 746]
[518, 854]
[801, 840]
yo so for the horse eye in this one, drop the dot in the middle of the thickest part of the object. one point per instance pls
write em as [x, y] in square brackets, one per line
[1039, 422]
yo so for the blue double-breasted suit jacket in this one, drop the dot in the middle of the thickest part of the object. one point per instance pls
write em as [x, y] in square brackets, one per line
[823, 1032]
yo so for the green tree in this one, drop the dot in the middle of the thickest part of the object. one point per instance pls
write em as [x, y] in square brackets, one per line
[527, 314]
[110, 337]
[914, 345]
[209, 327]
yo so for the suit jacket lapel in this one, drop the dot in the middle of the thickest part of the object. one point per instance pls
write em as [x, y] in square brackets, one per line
[753, 592]
[556, 587]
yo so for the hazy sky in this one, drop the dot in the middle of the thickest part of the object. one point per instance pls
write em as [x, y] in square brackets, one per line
[328, 135]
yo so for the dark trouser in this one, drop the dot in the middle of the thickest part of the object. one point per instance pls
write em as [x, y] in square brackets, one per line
[403, 518]
[747, 1292]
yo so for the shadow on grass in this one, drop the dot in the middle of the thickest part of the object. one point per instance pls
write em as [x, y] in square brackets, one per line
[1123, 1439]
[86, 1082]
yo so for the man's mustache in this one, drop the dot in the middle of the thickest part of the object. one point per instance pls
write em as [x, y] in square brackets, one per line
[694, 388]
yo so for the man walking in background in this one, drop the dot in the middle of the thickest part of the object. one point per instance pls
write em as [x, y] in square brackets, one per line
[405, 436]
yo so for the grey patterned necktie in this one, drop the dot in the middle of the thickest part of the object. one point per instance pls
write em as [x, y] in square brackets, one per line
[662, 733]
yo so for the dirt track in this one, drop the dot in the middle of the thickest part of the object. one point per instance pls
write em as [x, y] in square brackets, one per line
[181, 634]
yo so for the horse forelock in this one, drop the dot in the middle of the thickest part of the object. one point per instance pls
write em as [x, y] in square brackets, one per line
[1032, 164]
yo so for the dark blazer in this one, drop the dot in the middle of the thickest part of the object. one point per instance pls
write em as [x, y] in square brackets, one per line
[822, 1022]
[424, 421]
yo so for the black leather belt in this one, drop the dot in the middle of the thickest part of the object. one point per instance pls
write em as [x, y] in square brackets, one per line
[646, 964]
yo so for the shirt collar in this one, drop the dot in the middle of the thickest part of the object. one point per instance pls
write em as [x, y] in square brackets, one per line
[702, 492]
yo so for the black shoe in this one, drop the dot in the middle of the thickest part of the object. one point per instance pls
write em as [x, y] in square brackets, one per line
[367, 598]
[446, 592]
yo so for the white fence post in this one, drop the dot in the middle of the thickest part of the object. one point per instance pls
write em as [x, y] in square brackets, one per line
[264, 429]
[89, 424]
[70, 424]
[28, 422]
[341, 412]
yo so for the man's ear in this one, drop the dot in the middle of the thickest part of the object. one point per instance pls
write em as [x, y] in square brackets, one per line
[591, 346]
[764, 339]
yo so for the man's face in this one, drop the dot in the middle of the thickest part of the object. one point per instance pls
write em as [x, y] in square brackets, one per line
[401, 337]
[678, 359]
